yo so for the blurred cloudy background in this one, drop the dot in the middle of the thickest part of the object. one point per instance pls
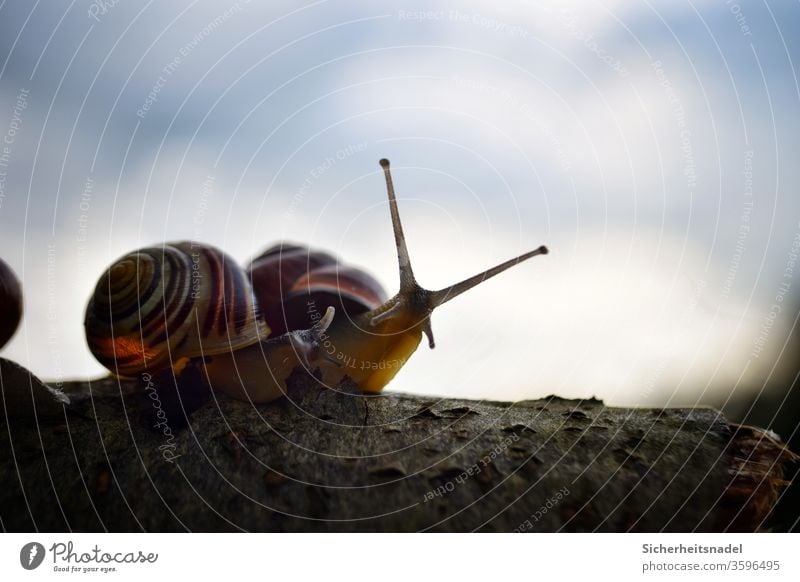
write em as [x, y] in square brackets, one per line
[652, 146]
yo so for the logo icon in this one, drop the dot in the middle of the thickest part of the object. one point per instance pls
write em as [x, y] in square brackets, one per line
[31, 555]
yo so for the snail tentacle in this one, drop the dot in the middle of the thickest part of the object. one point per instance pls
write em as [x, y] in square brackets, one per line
[407, 281]
[309, 343]
[413, 303]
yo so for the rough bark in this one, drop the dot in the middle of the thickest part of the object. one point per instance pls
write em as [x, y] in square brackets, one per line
[336, 460]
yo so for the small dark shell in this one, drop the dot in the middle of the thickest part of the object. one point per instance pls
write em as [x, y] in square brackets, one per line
[10, 303]
[294, 285]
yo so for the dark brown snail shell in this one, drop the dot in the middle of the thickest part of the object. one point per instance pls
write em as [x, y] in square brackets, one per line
[10, 303]
[294, 285]
[157, 305]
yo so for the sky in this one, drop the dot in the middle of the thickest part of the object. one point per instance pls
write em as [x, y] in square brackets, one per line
[652, 146]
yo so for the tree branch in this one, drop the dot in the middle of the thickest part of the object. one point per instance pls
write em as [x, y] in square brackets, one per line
[131, 457]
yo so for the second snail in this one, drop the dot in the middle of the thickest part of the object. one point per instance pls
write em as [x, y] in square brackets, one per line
[187, 304]
[10, 303]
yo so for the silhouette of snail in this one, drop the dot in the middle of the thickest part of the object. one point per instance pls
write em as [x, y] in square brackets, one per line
[25, 398]
[10, 303]
[163, 307]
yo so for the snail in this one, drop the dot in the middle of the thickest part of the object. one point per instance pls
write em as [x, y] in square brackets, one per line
[10, 303]
[23, 396]
[372, 337]
[165, 308]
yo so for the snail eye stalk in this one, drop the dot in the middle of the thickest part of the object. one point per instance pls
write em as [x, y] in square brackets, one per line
[411, 294]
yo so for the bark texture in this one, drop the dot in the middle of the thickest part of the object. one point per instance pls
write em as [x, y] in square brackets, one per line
[143, 456]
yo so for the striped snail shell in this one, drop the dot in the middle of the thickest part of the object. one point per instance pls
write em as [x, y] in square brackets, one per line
[10, 303]
[292, 283]
[159, 305]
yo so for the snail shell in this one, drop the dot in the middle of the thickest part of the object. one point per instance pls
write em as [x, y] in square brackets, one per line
[158, 305]
[10, 303]
[292, 283]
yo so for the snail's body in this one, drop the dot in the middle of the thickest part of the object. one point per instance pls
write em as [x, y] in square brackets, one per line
[371, 355]
[371, 337]
[10, 303]
[260, 372]
[249, 330]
